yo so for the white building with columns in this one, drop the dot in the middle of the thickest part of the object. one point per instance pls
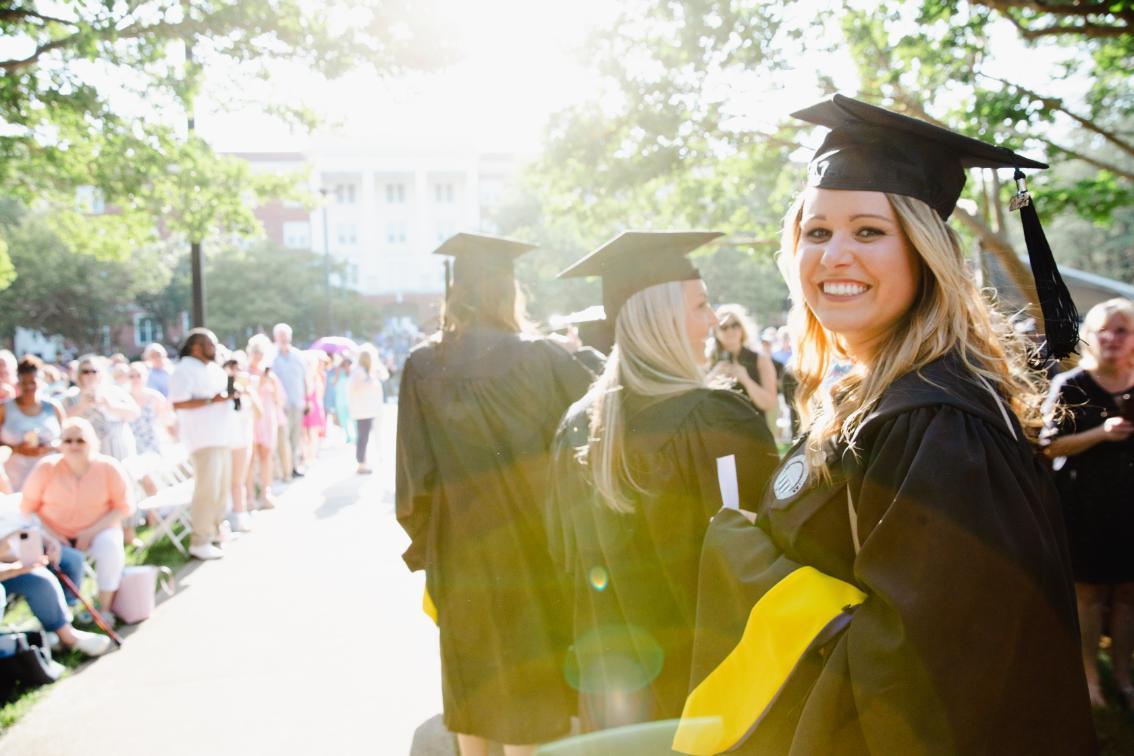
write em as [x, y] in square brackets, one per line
[388, 206]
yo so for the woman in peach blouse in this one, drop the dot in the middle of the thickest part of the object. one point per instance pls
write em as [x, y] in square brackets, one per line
[81, 497]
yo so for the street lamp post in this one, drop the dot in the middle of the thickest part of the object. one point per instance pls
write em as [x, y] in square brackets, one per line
[196, 258]
[326, 266]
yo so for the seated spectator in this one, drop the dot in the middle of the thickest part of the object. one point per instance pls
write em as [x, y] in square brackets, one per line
[81, 497]
[54, 382]
[157, 361]
[109, 409]
[30, 423]
[155, 410]
[8, 388]
[47, 599]
[148, 434]
[5, 483]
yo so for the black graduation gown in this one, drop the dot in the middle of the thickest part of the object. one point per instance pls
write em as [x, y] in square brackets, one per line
[634, 576]
[967, 640]
[476, 418]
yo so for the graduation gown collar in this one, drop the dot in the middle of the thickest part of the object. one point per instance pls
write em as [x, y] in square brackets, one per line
[944, 382]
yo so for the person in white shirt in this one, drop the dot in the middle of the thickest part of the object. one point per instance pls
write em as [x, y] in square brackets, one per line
[365, 400]
[198, 391]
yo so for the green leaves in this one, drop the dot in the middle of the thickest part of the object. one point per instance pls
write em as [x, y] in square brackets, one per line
[657, 148]
[65, 124]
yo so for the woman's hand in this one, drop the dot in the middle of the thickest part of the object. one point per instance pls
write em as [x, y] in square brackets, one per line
[14, 570]
[720, 371]
[52, 548]
[28, 450]
[1117, 429]
[739, 374]
[83, 539]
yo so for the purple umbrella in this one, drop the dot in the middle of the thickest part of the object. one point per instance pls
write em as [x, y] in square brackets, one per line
[335, 344]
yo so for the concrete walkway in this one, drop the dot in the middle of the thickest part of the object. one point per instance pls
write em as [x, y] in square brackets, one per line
[308, 637]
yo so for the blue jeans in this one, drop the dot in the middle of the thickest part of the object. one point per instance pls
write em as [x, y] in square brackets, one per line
[46, 598]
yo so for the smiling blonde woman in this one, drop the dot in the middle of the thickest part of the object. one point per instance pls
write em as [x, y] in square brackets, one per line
[915, 497]
[640, 466]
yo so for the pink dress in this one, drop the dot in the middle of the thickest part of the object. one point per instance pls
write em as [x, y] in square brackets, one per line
[266, 427]
[316, 417]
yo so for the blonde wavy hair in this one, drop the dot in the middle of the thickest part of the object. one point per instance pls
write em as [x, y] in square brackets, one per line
[949, 314]
[1094, 321]
[652, 357]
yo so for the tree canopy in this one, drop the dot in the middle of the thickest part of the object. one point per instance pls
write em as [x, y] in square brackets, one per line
[98, 93]
[57, 289]
[677, 135]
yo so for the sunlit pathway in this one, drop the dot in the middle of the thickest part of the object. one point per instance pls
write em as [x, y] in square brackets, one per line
[308, 637]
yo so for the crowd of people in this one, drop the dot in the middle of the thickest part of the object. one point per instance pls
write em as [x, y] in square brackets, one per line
[83, 443]
[926, 567]
[883, 529]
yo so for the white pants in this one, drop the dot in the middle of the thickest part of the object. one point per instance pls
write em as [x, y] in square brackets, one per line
[212, 471]
[109, 556]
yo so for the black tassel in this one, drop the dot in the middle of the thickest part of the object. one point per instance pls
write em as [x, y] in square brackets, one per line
[1060, 316]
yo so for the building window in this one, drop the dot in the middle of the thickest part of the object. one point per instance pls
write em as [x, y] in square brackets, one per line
[146, 330]
[445, 230]
[345, 194]
[395, 194]
[443, 193]
[396, 233]
[297, 235]
[347, 234]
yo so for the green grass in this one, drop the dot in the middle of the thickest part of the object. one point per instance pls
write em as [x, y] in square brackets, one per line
[161, 554]
[1115, 725]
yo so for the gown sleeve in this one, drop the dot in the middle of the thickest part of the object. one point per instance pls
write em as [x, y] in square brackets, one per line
[726, 425]
[969, 602]
[572, 377]
[416, 475]
[567, 490]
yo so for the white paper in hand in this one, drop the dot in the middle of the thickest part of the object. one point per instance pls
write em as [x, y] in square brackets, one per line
[726, 479]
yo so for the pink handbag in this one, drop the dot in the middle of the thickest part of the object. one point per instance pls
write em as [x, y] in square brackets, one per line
[136, 595]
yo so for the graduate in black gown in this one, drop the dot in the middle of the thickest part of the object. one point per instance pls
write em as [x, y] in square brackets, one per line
[914, 510]
[477, 412]
[635, 480]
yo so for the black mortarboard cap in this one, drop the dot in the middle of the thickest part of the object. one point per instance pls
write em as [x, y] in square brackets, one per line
[478, 256]
[637, 260]
[873, 149]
